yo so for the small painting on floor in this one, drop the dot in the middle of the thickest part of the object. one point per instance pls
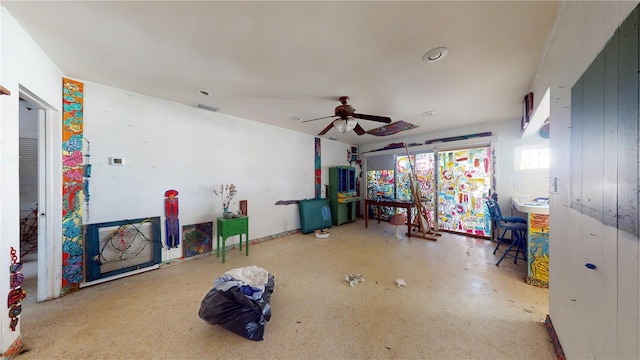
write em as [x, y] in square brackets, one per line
[196, 239]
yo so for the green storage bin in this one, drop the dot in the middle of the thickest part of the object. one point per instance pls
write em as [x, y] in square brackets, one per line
[315, 214]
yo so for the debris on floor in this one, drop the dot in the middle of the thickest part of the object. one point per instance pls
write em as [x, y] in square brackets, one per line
[322, 234]
[354, 279]
[239, 301]
[401, 283]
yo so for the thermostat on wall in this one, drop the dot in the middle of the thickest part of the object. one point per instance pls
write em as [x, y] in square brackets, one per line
[116, 161]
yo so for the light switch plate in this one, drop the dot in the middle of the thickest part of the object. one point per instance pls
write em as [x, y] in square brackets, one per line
[116, 161]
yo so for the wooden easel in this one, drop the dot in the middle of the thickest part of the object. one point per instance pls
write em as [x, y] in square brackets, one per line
[422, 219]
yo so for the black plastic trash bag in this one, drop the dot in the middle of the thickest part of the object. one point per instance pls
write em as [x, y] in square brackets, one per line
[236, 312]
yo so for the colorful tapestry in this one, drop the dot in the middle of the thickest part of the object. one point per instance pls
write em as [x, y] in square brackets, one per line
[392, 128]
[196, 239]
[72, 184]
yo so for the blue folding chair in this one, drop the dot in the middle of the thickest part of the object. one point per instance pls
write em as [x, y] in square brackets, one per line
[514, 219]
[518, 226]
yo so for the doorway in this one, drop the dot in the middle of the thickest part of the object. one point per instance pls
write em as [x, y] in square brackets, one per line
[36, 188]
[29, 188]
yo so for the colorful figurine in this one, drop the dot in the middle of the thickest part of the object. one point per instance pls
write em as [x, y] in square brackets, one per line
[172, 223]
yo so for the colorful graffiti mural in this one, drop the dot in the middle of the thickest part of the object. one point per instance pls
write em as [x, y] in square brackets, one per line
[380, 185]
[464, 180]
[538, 256]
[318, 168]
[424, 165]
[72, 184]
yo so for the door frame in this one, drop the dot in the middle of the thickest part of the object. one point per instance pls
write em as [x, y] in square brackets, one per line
[49, 197]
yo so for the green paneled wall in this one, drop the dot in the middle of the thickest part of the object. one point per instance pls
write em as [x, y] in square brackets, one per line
[610, 136]
[604, 133]
[628, 126]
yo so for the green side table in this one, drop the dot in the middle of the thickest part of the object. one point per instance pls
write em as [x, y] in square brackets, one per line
[231, 227]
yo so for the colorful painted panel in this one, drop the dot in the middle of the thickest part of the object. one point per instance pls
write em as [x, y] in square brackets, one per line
[196, 239]
[391, 129]
[318, 168]
[464, 180]
[403, 173]
[72, 188]
[380, 184]
[17, 293]
[424, 165]
[538, 256]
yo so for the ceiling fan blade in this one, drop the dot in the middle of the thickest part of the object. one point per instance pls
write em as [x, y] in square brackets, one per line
[358, 130]
[320, 118]
[383, 119]
[326, 129]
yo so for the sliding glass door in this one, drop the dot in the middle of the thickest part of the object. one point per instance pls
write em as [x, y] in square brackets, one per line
[453, 185]
[464, 180]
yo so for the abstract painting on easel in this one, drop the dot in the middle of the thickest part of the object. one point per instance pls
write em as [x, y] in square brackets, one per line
[196, 239]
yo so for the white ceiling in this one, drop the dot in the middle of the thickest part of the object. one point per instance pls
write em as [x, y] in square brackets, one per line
[273, 61]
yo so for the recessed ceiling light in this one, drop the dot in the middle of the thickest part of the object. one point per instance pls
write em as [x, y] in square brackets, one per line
[434, 55]
[203, 92]
[428, 113]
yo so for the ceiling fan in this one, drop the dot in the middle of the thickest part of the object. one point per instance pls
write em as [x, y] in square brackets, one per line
[347, 118]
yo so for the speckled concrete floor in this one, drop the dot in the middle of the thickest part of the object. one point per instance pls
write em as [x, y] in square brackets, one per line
[457, 305]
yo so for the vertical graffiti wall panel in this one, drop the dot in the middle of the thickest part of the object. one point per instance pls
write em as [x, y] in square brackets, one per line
[72, 186]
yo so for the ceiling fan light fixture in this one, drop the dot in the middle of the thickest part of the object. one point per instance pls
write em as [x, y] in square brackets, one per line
[434, 55]
[346, 119]
[351, 124]
[340, 125]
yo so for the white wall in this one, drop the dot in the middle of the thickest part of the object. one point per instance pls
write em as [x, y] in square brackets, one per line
[595, 313]
[23, 65]
[172, 146]
[505, 137]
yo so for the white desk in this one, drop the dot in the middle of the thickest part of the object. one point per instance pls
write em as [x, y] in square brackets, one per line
[537, 240]
[530, 207]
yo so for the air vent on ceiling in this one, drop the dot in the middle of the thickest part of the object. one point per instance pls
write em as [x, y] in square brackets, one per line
[208, 107]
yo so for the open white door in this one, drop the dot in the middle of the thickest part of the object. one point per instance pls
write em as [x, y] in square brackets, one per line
[49, 254]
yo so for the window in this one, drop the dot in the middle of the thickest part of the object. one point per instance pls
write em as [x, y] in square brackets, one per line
[530, 158]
